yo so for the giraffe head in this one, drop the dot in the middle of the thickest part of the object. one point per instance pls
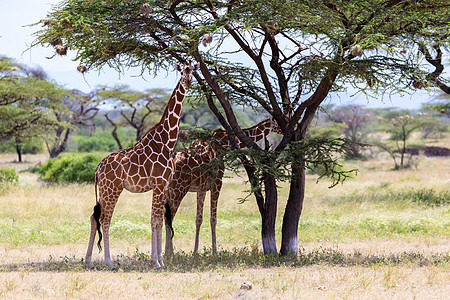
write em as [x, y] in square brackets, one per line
[274, 126]
[187, 71]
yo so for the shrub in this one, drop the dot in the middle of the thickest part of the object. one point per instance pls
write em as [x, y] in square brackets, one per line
[73, 167]
[94, 143]
[8, 176]
[429, 197]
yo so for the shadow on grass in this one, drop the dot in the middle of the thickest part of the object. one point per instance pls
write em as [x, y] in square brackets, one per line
[235, 259]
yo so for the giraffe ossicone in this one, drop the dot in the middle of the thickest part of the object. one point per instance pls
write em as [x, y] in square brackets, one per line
[148, 165]
[195, 171]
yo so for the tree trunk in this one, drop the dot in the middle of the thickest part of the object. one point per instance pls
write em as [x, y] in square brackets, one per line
[18, 150]
[139, 132]
[402, 154]
[114, 132]
[292, 212]
[60, 145]
[116, 138]
[269, 215]
[267, 206]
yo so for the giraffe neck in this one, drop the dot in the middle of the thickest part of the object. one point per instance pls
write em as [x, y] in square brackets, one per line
[166, 130]
[256, 133]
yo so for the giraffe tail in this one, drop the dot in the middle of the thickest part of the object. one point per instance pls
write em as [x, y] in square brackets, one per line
[168, 216]
[97, 213]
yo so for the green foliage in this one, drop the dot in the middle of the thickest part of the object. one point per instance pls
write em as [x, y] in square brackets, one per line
[25, 101]
[29, 146]
[8, 176]
[443, 108]
[317, 154]
[98, 142]
[330, 131]
[428, 197]
[133, 109]
[328, 30]
[68, 168]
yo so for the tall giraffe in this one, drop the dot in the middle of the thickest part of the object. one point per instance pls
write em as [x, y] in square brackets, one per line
[195, 171]
[146, 165]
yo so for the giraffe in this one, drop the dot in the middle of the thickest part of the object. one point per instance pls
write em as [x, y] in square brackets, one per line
[146, 165]
[196, 171]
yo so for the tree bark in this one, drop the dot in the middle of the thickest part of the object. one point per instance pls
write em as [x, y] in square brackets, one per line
[116, 138]
[269, 215]
[60, 145]
[18, 150]
[292, 212]
[114, 132]
[267, 206]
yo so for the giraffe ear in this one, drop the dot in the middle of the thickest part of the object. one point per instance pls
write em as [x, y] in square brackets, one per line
[177, 67]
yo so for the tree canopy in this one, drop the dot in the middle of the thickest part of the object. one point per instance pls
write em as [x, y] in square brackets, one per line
[26, 102]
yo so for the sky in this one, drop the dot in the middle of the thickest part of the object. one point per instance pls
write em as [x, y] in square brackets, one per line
[16, 37]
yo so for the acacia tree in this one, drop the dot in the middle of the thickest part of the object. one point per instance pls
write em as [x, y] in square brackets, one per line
[354, 118]
[400, 130]
[27, 99]
[282, 56]
[77, 108]
[134, 107]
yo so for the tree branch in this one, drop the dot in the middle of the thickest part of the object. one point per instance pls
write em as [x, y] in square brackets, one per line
[437, 63]
[277, 114]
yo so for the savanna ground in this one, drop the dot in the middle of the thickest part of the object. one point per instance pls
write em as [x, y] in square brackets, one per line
[383, 234]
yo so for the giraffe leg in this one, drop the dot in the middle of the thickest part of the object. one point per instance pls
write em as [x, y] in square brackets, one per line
[175, 198]
[91, 243]
[108, 260]
[199, 219]
[215, 191]
[169, 242]
[157, 222]
[109, 200]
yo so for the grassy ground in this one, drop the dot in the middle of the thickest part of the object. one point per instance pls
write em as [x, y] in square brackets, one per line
[382, 234]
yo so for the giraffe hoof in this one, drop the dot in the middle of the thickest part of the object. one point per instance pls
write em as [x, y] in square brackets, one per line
[158, 266]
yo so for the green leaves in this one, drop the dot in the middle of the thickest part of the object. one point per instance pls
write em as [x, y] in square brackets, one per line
[320, 155]
[70, 168]
[26, 101]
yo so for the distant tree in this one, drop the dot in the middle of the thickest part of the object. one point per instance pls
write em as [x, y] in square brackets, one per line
[329, 131]
[355, 120]
[400, 130]
[198, 115]
[135, 108]
[26, 100]
[77, 108]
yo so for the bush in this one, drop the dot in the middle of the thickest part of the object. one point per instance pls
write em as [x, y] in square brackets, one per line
[8, 176]
[96, 142]
[66, 168]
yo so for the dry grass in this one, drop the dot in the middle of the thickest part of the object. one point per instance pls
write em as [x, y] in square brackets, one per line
[312, 282]
[44, 231]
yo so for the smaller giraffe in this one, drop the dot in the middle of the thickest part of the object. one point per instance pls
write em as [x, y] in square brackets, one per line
[197, 170]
